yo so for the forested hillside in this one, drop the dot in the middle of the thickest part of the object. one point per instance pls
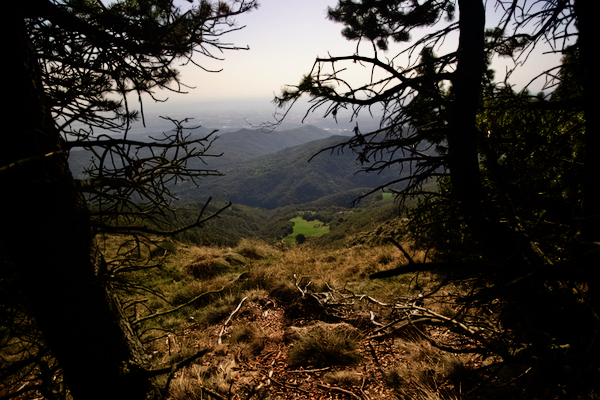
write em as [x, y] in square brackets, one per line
[293, 176]
[226, 149]
[245, 144]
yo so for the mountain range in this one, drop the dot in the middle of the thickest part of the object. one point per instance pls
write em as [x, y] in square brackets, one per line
[271, 170]
[286, 177]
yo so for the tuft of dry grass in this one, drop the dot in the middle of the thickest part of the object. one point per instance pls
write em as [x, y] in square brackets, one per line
[343, 378]
[426, 374]
[325, 345]
[255, 249]
[248, 341]
[194, 382]
[210, 268]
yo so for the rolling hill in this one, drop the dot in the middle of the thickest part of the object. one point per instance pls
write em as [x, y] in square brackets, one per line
[271, 170]
[246, 144]
[287, 178]
[235, 147]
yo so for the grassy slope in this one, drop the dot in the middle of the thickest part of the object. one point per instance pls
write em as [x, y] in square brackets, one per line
[287, 178]
[255, 347]
[313, 228]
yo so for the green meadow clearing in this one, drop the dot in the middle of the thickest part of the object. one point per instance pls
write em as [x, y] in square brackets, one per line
[307, 228]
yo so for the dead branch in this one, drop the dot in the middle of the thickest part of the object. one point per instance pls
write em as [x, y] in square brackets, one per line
[339, 389]
[299, 371]
[137, 321]
[220, 341]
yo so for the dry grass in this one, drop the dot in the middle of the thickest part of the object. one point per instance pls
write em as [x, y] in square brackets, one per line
[425, 373]
[344, 378]
[262, 273]
[325, 345]
[248, 341]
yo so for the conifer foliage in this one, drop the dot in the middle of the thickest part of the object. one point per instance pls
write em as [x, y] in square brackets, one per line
[516, 205]
[73, 66]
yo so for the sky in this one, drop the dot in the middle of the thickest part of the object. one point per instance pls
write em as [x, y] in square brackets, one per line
[284, 38]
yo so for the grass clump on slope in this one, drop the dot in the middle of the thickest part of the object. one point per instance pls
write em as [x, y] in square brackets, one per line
[325, 345]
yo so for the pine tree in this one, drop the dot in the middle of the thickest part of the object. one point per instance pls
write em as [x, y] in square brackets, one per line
[72, 64]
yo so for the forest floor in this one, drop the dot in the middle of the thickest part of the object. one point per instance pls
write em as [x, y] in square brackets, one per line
[260, 367]
[269, 333]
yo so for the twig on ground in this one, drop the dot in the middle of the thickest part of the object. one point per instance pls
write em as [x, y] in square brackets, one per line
[297, 371]
[365, 395]
[176, 366]
[298, 282]
[220, 341]
[285, 385]
[376, 359]
[339, 389]
[373, 319]
[212, 394]
[137, 321]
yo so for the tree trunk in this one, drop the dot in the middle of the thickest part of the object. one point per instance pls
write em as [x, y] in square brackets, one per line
[467, 187]
[586, 12]
[49, 239]
[462, 140]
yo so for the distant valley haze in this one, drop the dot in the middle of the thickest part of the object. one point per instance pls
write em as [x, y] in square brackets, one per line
[284, 38]
[272, 169]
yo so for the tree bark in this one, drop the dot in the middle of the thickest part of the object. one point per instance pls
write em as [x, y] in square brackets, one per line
[49, 239]
[462, 139]
[467, 186]
[586, 12]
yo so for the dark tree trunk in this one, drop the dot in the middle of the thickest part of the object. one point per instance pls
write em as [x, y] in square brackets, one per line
[49, 239]
[587, 12]
[467, 187]
[462, 139]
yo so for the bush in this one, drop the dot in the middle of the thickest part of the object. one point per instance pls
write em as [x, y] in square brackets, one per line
[300, 238]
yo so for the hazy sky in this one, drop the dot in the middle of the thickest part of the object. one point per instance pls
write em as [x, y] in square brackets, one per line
[284, 37]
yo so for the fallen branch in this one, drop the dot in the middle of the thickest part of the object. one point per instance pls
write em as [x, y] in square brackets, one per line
[137, 321]
[220, 341]
[297, 371]
[339, 389]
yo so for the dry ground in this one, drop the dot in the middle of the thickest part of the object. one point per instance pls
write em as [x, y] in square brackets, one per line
[250, 343]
